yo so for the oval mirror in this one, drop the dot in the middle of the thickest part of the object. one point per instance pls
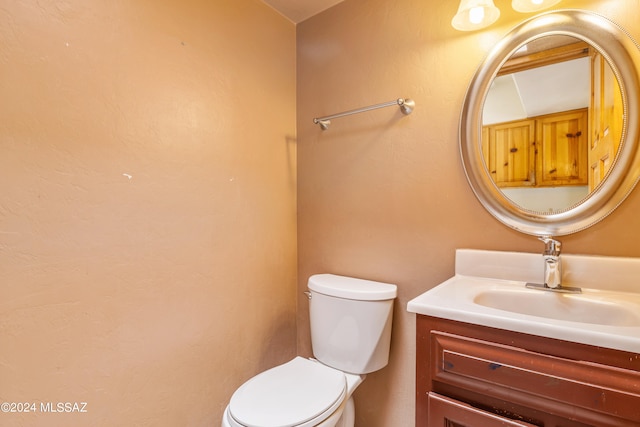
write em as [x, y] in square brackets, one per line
[545, 139]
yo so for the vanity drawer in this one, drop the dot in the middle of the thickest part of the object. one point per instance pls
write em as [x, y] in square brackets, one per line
[446, 412]
[553, 384]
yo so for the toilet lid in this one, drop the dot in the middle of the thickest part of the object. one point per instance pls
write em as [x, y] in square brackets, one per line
[289, 395]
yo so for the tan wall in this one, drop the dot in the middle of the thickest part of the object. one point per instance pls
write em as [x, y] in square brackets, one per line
[147, 206]
[148, 193]
[383, 196]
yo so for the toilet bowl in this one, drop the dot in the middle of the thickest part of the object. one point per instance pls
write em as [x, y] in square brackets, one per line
[300, 393]
[350, 323]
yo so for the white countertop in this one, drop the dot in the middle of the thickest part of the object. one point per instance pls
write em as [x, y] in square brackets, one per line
[610, 284]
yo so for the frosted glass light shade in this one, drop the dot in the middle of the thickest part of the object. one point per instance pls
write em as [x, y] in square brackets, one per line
[526, 6]
[475, 14]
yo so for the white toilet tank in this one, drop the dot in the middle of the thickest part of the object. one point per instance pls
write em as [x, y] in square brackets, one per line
[351, 322]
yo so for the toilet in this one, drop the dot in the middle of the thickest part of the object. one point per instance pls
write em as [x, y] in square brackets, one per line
[350, 336]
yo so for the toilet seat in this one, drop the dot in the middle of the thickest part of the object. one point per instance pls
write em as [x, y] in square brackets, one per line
[299, 393]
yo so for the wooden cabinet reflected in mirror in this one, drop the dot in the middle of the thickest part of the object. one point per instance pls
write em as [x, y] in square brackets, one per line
[549, 138]
[552, 123]
[606, 119]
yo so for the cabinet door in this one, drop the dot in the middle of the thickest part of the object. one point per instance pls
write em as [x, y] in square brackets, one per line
[511, 153]
[562, 149]
[446, 412]
[606, 119]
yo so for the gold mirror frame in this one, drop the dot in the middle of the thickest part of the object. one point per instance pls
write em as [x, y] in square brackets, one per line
[623, 55]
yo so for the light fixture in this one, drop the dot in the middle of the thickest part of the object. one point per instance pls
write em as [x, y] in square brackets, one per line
[475, 14]
[526, 6]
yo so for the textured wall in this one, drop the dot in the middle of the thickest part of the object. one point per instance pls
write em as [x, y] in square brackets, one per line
[147, 206]
[384, 196]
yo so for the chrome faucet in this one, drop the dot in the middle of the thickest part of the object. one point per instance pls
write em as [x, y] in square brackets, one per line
[552, 268]
[552, 262]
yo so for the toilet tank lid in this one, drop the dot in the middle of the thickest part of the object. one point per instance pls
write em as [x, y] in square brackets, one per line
[352, 288]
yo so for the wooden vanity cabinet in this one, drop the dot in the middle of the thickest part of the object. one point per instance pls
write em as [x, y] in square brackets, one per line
[475, 376]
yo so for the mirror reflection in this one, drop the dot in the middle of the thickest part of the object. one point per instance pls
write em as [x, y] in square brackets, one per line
[551, 123]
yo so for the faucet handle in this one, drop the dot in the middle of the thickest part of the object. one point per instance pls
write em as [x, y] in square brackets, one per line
[551, 246]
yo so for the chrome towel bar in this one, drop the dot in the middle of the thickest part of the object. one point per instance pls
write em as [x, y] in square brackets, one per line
[406, 106]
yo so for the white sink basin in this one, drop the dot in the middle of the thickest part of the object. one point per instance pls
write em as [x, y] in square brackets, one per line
[480, 293]
[591, 307]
